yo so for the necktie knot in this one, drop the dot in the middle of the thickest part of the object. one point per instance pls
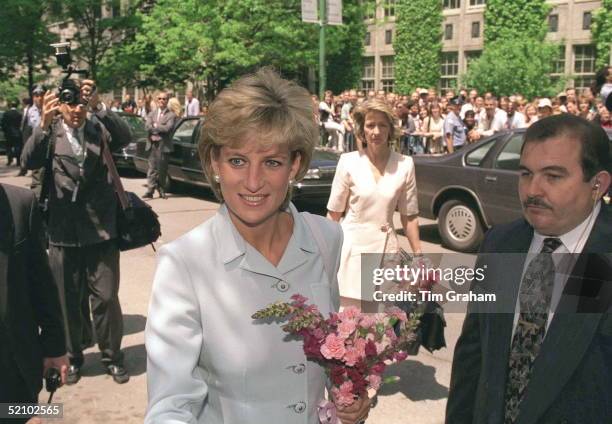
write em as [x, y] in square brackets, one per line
[550, 244]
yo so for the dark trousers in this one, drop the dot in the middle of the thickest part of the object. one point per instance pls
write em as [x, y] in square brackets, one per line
[158, 167]
[13, 149]
[89, 272]
[13, 388]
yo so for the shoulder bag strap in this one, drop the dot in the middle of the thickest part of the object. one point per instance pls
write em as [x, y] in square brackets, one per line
[112, 169]
[321, 243]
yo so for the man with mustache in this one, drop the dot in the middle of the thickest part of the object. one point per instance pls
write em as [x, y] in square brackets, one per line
[542, 352]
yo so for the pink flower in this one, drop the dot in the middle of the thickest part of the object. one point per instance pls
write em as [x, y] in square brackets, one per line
[333, 348]
[343, 395]
[360, 345]
[346, 328]
[396, 312]
[400, 356]
[350, 312]
[375, 381]
[352, 356]
[367, 321]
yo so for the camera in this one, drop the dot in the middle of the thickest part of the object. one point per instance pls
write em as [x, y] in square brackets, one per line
[69, 90]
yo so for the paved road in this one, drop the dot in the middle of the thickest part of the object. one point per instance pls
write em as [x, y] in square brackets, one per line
[418, 398]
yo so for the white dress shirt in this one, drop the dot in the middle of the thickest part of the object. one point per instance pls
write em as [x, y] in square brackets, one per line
[77, 141]
[564, 258]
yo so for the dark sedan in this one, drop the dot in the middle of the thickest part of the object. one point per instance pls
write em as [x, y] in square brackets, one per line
[184, 164]
[472, 189]
[124, 158]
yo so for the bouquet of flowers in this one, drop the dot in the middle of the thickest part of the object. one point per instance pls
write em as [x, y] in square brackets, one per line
[354, 348]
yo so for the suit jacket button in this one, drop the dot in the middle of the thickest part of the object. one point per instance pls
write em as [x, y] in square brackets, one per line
[299, 407]
[299, 368]
[282, 286]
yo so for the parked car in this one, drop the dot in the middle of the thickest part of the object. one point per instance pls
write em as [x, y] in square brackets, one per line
[472, 189]
[2, 137]
[184, 164]
[124, 158]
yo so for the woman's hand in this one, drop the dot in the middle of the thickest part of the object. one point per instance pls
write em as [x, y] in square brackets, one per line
[355, 413]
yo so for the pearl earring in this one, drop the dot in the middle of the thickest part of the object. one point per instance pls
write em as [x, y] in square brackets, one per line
[217, 178]
[291, 181]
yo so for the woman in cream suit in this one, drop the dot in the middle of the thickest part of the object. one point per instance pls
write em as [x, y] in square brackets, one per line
[369, 185]
[208, 361]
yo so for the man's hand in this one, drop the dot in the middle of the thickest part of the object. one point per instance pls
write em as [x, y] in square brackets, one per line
[90, 94]
[355, 413]
[50, 108]
[60, 362]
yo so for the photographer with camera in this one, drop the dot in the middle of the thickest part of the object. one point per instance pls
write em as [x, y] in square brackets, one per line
[32, 341]
[82, 214]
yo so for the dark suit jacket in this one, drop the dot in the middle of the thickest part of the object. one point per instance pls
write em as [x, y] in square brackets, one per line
[11, 125]
[29, 299]
[92, 217]
[571, 380]
[164, 129]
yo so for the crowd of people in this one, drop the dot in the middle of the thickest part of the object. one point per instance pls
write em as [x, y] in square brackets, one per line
[436, 123]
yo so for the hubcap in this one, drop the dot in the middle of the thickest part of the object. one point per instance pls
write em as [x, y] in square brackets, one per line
[461, 223]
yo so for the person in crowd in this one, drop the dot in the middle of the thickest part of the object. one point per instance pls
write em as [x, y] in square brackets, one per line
[454, 128]
[32, 337]
[557, 107]
[11, 126]
[31, 121]
[542, 353]
[545, 108]
[503, 103]
[585, 109]
[562, 101]
[82, 229]
[208, 361]
[327, 119]
[175, 106]
[192, 105]
[128, 105]
[572, 108]
[423, 113]
[369, 185]
[159, 125]
[478, 108]
[570, 94]
[408, 127]
[603, 118]
[531, 114]
[116, 105]
[470, 126]
[492, 119]
[515, 118]
[432, 129]
[470, 104]
[347, 120]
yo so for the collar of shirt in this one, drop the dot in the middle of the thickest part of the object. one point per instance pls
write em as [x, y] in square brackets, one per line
[78, 145]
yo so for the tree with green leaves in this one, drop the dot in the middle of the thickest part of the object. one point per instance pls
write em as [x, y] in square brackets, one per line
[516, 57]
[602, 33]
[418, 44]
[24, 40]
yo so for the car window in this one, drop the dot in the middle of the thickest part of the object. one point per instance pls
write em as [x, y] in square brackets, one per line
[475, 157]
[184, 132]
[510, 155]
[136, 124]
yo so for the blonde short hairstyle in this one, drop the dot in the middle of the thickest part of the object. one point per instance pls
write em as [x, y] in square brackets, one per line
[263, 106]
[175, 106]
[375, 105]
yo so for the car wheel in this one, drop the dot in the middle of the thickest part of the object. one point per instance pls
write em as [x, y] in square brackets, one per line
[459, 225]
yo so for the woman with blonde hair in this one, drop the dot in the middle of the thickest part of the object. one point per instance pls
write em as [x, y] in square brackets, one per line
[531, 114]
[369, 185]
[208, 361]
[175, 106]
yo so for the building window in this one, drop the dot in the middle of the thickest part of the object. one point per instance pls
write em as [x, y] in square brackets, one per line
[584, 66]
[477, 2]
[367, 40]
[388, 73]
[586, 20]
[389, 36]
[389, 7]
[452, 4]
[448, 32]
[370, 12]
[476, 29]
[367, 79]
[559, 63]
[471, 56]
[449, 70]
[553, 23]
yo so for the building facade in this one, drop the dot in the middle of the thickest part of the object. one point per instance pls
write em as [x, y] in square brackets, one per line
[569, 23]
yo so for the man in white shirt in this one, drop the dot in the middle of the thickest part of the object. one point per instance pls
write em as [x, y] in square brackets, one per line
[542, 352]
[192, 105]
[515, 118]
[492, 119]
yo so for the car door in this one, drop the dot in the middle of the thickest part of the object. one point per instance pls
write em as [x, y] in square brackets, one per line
[192, 168]
[498, 181]
[181, 141]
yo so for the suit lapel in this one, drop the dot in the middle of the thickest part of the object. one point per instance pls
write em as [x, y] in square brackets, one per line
[569, 334]
[6, 246]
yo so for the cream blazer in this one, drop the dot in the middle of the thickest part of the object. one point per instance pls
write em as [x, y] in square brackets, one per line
[207, 360]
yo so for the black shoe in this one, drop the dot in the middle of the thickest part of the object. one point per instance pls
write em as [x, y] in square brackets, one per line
[119, 373]
[74, 374]
[162, 193]
[148, 195]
